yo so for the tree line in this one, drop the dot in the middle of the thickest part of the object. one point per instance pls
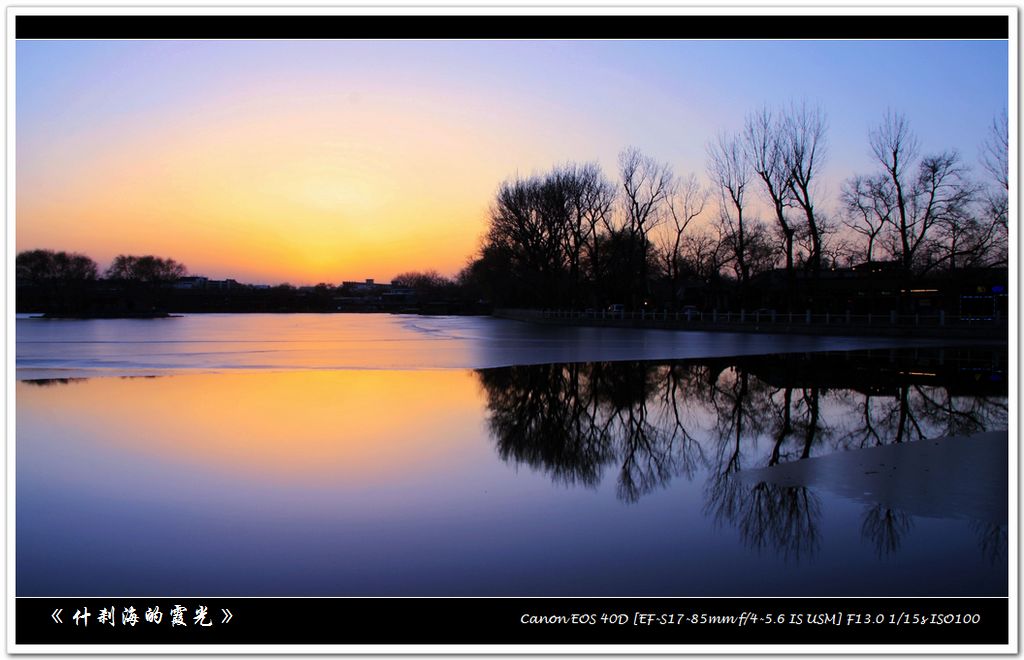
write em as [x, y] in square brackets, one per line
[42, 267]
[574, 237]
[61, 283]
[71, 284]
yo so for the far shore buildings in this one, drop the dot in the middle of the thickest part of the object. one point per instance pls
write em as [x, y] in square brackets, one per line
[368, 293]
[200, 282]
[350, 294]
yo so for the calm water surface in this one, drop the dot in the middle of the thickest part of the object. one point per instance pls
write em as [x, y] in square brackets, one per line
[382, 455]
[219, 342]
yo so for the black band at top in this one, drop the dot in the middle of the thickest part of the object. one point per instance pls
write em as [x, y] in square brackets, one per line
[511, 27]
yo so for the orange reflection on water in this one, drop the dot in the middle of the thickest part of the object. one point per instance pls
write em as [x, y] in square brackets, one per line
[352, 427]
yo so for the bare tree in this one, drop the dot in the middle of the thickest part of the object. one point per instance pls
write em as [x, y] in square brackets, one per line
[580, 198]
[804, 154]
[548, 229]
[926, 202]
[896, 148]
[593, 200]
[995, 151]
[646, 186]
[765, 142]
[995, 159]
[867, 203]
[729, 169]
[968, 241]
[941, 202]
[524, 226]
[685, 203]
[705, 252]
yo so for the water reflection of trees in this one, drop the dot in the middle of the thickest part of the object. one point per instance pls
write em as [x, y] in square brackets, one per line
[746, 408]
[51, 382]
[885, 527]
[992, 539]
[572, 421]
[651, 423]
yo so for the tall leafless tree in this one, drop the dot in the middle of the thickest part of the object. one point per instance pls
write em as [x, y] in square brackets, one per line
[523, 225]
[928, 199]
[764, 138]
[896, 147]
[548, 228]
[995, 159]
[995, 151]
[941, 205]
[646, 186]
[585, 197]
[594, 201]
[803, 149]
[730, 170]
[685, 204]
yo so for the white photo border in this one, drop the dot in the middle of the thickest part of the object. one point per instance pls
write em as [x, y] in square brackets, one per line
[474, 8]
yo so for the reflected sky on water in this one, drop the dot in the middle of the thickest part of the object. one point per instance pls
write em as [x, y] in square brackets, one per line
[48, 348]
[699, 477]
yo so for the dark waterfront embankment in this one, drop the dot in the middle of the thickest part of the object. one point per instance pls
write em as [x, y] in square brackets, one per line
[938, 326]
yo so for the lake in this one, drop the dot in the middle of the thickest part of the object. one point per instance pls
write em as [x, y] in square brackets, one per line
[380, 455]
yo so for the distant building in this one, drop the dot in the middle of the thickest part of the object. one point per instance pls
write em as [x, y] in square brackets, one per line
[399, 295]
[191, 282]
[221, 284]
[200, 282]
[365, 287]
[371, 295]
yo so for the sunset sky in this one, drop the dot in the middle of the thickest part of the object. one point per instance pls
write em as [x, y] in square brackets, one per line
[310, 161]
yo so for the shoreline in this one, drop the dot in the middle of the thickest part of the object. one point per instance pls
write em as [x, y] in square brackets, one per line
[835, 327]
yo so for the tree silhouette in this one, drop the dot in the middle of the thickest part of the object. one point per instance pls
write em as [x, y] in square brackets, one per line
[765, 144]
[60, 280]
[804, 128]
[145, 269]
[646, 188]
[729, 169]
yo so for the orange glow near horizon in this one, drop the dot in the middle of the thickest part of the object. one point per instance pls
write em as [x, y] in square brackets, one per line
[355, 427]
[302, 178]
[231, 202]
